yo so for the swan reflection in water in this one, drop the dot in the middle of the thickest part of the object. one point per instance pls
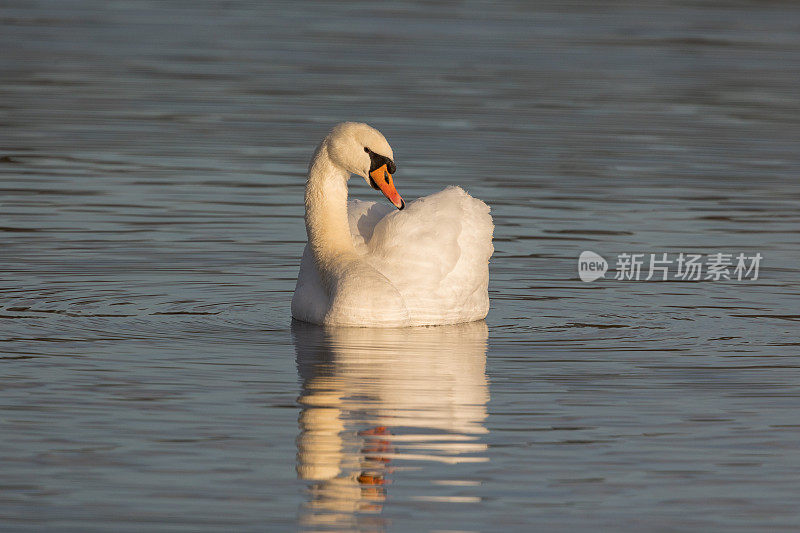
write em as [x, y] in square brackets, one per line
[375, 401]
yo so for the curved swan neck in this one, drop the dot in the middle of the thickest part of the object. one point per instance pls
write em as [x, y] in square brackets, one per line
[326, 210]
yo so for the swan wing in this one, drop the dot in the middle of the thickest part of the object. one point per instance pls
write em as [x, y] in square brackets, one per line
[435, 253]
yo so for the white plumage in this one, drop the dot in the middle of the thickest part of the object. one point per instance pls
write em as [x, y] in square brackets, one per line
[424, 265]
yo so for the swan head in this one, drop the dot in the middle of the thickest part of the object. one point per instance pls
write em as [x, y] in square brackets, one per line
[361, 149]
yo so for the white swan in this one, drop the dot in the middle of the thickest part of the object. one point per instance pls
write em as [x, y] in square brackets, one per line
[366, 264]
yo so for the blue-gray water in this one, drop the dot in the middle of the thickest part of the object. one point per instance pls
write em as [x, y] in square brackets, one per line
[152, 163]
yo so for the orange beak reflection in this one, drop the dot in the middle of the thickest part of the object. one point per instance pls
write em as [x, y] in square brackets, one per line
[381, 179]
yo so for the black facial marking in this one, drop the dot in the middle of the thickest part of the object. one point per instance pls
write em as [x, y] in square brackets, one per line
[377, 161]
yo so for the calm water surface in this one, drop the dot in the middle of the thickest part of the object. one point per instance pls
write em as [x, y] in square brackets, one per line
[152, 164]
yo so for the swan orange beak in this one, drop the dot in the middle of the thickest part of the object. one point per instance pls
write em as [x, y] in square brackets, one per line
[382, 180]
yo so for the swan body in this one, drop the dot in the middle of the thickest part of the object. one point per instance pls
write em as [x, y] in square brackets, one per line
[369, 265]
